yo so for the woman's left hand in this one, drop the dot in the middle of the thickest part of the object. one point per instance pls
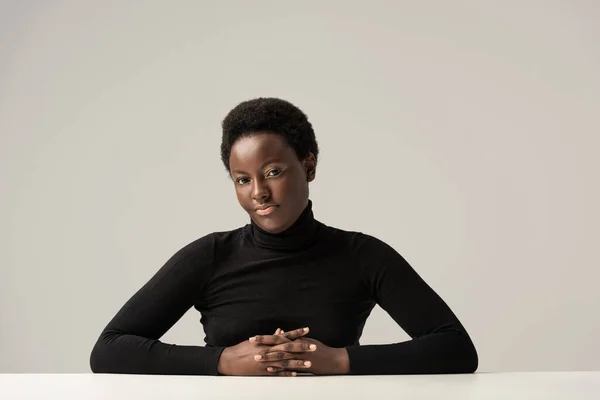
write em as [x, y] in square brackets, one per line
[324, 360]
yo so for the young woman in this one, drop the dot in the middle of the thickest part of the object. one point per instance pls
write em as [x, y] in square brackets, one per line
[284, 269]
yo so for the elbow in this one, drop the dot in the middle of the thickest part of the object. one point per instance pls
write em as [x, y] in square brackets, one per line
[474, 362]
[468, 359]
[101, 357]
[458, 354]
[469, 364]
[97, 364]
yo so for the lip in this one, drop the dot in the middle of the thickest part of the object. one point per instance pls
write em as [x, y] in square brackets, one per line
[265, 209]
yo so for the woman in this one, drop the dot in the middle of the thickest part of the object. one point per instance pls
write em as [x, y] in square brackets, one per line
[284, 270]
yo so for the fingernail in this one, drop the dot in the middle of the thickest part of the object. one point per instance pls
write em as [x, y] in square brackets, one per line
[293, 374]
[307, 363]
[312, 347]
[258, 357]
[270, 369]
[252, 339]
[306, 329]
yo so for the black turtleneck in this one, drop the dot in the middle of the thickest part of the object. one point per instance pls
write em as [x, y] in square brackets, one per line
[248, 282]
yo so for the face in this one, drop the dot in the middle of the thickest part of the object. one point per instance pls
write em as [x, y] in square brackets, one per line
[271, 183]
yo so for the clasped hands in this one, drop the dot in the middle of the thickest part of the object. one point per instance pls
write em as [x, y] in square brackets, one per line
[283, 354]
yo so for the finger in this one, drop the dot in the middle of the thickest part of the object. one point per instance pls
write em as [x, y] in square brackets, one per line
[296, 333]
[288, 365]
[276, 371]
[277, 332]
[270, 340]
[278, 339]
[277, 356]
[284, 373]
[298, 346]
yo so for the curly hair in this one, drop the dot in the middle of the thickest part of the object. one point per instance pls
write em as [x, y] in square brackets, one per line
[272, 115]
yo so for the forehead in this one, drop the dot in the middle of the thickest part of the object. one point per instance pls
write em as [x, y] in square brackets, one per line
[251, 152]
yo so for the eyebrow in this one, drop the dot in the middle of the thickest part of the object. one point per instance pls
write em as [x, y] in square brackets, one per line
[269, 161]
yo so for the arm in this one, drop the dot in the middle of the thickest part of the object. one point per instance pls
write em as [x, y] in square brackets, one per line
[129, 343]
[440, 344]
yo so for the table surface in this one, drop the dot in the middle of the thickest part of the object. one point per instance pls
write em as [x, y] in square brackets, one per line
[518, 385]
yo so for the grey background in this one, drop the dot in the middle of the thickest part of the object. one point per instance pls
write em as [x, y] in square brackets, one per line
[462, 133]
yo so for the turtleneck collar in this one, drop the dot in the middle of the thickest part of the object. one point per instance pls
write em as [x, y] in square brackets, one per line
[299, 236]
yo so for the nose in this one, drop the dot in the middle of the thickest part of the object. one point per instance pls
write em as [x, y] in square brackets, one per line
[260, 191]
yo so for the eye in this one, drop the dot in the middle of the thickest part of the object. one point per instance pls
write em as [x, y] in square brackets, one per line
[241, 181]
[274, 172]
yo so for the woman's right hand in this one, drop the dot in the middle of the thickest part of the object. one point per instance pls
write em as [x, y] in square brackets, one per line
[239, 359]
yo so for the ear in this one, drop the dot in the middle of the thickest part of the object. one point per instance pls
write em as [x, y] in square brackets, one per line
[310, 167]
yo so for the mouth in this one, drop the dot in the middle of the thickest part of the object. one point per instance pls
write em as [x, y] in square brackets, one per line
[266, 209]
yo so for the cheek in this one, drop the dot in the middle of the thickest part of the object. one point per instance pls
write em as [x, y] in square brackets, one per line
[242, 196]
[299, 185]
[284, 188]
[289, 190]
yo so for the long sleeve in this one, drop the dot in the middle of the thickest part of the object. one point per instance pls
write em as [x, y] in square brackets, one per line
[130, 342]
[440, 343]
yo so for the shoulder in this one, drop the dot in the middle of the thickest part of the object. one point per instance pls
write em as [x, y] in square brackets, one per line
[355, 240]
[207, 246]
[368, 251]
[371, 256]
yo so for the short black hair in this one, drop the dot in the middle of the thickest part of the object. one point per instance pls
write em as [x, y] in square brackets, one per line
[272, 115]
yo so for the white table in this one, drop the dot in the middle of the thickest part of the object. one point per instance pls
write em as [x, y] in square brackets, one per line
[526, 385]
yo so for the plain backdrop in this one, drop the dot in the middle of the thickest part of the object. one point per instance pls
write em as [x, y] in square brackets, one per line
[463, 133]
